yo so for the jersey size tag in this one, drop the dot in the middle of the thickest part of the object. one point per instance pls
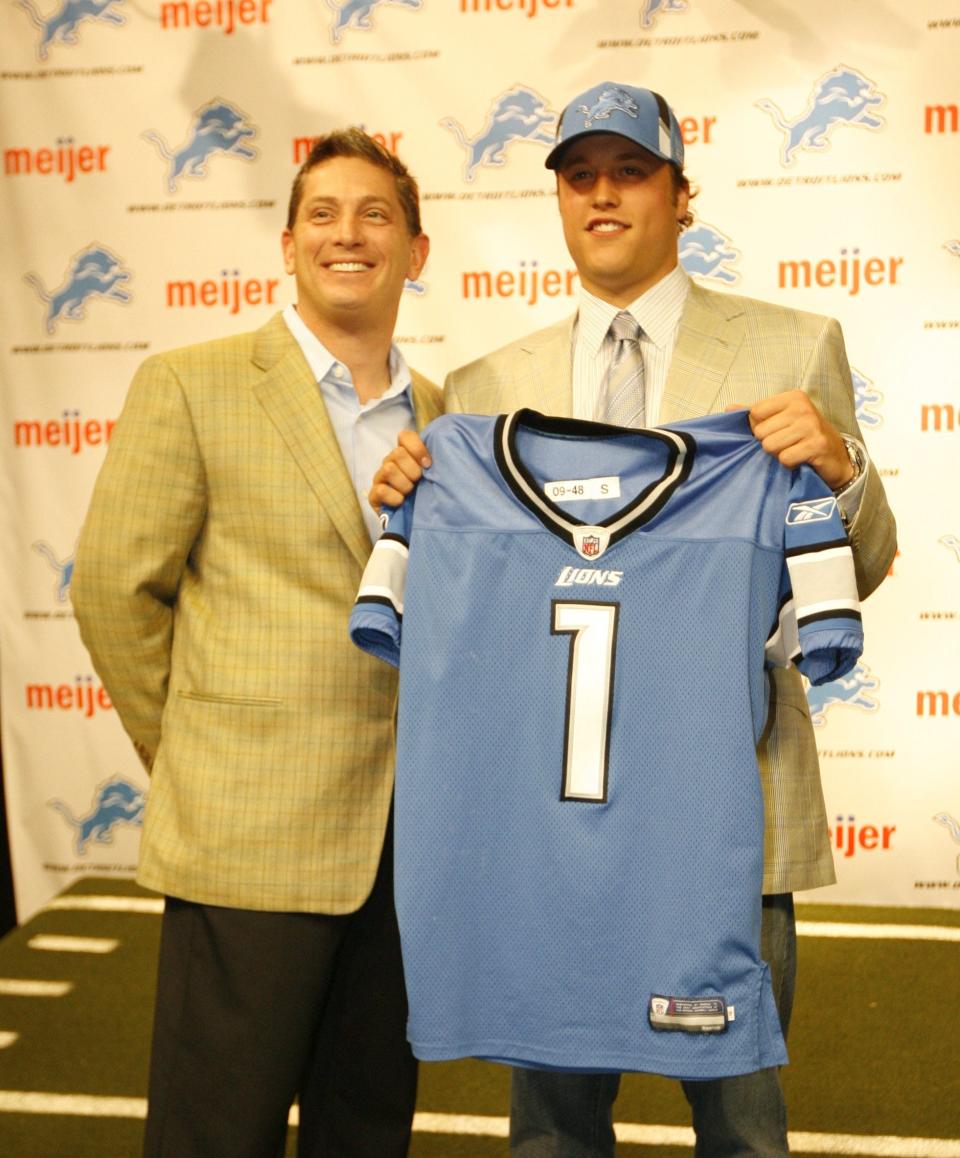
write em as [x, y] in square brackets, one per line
[689, 1014]
[576, 489]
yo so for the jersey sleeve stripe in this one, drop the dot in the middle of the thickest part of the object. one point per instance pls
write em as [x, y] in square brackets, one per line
[381, 596]
[839, 609]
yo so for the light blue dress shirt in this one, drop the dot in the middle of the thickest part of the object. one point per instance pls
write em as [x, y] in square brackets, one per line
[366, 432]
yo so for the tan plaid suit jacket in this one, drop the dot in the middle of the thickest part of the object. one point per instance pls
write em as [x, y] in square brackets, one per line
[729, 350]
[216, 569]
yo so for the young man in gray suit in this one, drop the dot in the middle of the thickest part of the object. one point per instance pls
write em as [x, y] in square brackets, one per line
[623, 199]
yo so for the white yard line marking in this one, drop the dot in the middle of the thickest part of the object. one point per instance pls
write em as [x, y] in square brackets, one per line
[885, 1145]
[476, 1124]
[880, 932]
[62, 944]
[873, 1146]
[108, 904]
[78, 1105]
[17, 987]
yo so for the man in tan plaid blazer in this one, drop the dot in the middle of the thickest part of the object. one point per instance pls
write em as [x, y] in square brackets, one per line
[622, 196]
[215, 573]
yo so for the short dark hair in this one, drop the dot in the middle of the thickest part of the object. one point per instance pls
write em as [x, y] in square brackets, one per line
[354, 142]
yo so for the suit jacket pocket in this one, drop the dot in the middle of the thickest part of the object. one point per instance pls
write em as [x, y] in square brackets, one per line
[231, 701]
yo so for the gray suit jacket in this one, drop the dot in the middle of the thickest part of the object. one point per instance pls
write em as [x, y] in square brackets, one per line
[729, 350]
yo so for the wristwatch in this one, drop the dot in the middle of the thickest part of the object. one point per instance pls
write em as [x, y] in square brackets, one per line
[857, 461]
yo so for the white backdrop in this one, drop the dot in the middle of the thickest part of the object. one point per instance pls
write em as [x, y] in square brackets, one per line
[148, 150]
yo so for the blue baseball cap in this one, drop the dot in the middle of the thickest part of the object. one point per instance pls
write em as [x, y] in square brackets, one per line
[638, 114]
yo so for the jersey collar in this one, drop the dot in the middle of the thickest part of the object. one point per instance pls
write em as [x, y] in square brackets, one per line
[590, 541]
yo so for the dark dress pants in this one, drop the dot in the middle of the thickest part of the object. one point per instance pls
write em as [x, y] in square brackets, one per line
[255, 1009]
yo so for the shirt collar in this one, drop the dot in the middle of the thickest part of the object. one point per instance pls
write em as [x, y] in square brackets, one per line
[657, 311]
[323, 364]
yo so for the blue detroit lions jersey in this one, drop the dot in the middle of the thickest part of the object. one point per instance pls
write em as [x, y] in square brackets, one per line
[582, 616]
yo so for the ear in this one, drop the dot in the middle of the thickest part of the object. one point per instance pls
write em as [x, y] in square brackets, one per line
[683, 202]
[287, 247]
[419, 249]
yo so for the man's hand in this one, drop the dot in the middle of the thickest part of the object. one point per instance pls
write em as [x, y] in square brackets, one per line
[399, 472]
[793, 431]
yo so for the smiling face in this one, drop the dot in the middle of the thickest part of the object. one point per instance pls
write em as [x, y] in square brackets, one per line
[620, 209]
[350, 248]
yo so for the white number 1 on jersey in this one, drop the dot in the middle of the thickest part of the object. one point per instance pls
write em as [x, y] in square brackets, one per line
[592, 628]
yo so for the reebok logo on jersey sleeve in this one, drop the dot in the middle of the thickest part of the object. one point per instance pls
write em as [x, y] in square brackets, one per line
[587, 576]
[811, 511]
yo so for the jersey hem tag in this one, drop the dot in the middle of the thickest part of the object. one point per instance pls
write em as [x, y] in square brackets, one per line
[688, 1014]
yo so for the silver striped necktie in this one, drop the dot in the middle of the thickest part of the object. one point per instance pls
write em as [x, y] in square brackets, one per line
[624, 400]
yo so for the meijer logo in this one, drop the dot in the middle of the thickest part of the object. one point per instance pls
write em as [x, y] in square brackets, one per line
[941, 119]
[529, 283]
[518, 114]
[841, 98]
[226, 15]
[83, 696]
[303, 145]
[229, 290]
[218, 127]
[62, 23]
[938, 703]
[66, 159]
[95, 272]
[529, 7]
[69, 431]
[849, 272]
[850, 691]
[358, 14]
[707, 253]
[848, 837]
[938, 416]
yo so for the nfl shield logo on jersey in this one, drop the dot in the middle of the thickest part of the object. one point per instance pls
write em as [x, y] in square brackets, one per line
[591, 546]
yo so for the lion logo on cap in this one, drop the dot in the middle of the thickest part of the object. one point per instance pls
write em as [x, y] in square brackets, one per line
[610, 101]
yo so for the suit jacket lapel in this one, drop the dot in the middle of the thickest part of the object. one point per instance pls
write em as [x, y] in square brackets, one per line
[548, 373]
[290, 396]
[427, 400]
[711, 331]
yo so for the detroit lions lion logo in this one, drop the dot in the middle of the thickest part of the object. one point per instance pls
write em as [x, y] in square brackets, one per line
[117, 801]
[952, 543]
[952, 247]
[62, 568]
[843, 97]
[61, 25]
[417, 288]
[952, 825]
[654, 8]
[866, 396]
[359, 14]
[610, 101]
[93, 273]
[850, 691]
[219, 127]
[707, 253]
[519, 114]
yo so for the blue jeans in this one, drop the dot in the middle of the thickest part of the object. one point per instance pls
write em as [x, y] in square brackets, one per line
[562, 1115]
